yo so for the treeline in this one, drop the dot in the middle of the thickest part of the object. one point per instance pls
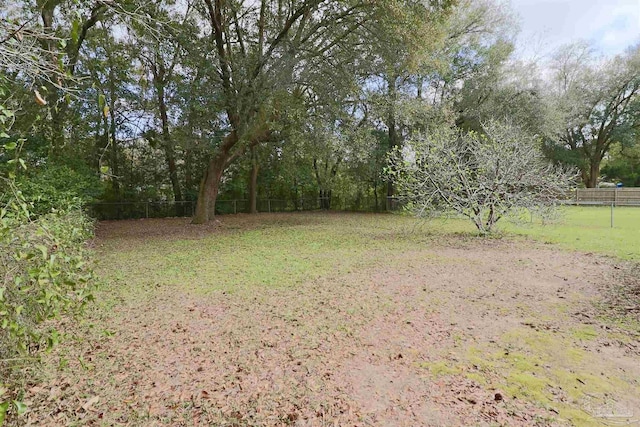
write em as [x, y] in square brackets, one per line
[190, 100]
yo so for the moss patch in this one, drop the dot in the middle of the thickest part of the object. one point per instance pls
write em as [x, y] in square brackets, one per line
[584, 333]
[545, 368]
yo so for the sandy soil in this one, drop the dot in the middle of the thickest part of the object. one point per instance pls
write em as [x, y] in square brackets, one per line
[423, 341]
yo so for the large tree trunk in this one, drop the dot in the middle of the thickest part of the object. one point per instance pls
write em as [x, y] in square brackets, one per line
[210, 183]
[253, 182]
[208, 192]
[591, 179]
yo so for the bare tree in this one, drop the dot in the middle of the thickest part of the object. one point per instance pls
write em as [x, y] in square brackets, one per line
[597, 101]
[480, 176]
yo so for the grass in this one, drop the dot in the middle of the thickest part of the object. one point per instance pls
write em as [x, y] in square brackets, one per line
[588, 229]
[538, 367]
[284, 254]
[258, 258]
[580, 228]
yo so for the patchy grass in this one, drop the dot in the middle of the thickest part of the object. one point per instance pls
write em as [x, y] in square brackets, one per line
[337, 319]
[586, 333]
[547, 368]
[580, 228]
[279, 254]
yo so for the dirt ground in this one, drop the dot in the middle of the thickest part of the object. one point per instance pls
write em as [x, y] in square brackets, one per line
[462, 331]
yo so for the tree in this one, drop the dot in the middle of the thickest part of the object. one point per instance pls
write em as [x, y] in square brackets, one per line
[66, 26]
[597, 101]
[107, 62]
[261, 50]
[423, 67]
[160, 57]
[331, 128]
[623, 165]
[483, 177]
[477, 78]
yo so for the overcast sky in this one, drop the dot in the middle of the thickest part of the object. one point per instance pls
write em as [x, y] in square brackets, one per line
[612, 25]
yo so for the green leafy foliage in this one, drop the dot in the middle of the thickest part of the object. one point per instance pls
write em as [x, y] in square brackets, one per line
[4, 407]
[46, 272]
[623, 165]
[44, 267]
[57, 185]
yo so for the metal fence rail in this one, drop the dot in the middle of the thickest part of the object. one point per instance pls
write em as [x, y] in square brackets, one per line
[137, 210]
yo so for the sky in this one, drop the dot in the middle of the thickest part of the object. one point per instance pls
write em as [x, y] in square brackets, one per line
[611, 25]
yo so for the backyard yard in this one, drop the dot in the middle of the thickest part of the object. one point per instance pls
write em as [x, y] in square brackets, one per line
[332, 319]
[209, 213]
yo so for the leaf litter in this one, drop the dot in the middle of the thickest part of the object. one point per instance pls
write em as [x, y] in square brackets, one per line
[427, 337]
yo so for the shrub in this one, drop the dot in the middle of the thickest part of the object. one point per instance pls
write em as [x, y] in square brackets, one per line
[483, 177]
[56, 186]
[45, 272]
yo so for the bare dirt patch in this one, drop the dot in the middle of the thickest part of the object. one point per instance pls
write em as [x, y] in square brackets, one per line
[181, 228]
[455, 332]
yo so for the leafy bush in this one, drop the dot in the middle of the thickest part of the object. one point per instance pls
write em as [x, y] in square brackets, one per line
[58, 185]
[45, 272]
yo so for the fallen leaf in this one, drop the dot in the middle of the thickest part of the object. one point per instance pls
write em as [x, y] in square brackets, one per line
[87, 405]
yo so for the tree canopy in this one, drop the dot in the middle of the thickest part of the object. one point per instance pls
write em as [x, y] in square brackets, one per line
[188, 100]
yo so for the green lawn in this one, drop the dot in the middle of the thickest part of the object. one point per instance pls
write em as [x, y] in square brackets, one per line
[283, 251]
[589, 229]
[287, 252]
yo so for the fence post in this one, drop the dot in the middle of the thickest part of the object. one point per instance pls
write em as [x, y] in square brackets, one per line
[577, 196]
[146, 205]
[615, 196]
[612, 215]
[269, 204]
[235, 206]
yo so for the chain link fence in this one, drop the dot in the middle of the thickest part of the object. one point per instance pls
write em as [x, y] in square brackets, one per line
[166, 209]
